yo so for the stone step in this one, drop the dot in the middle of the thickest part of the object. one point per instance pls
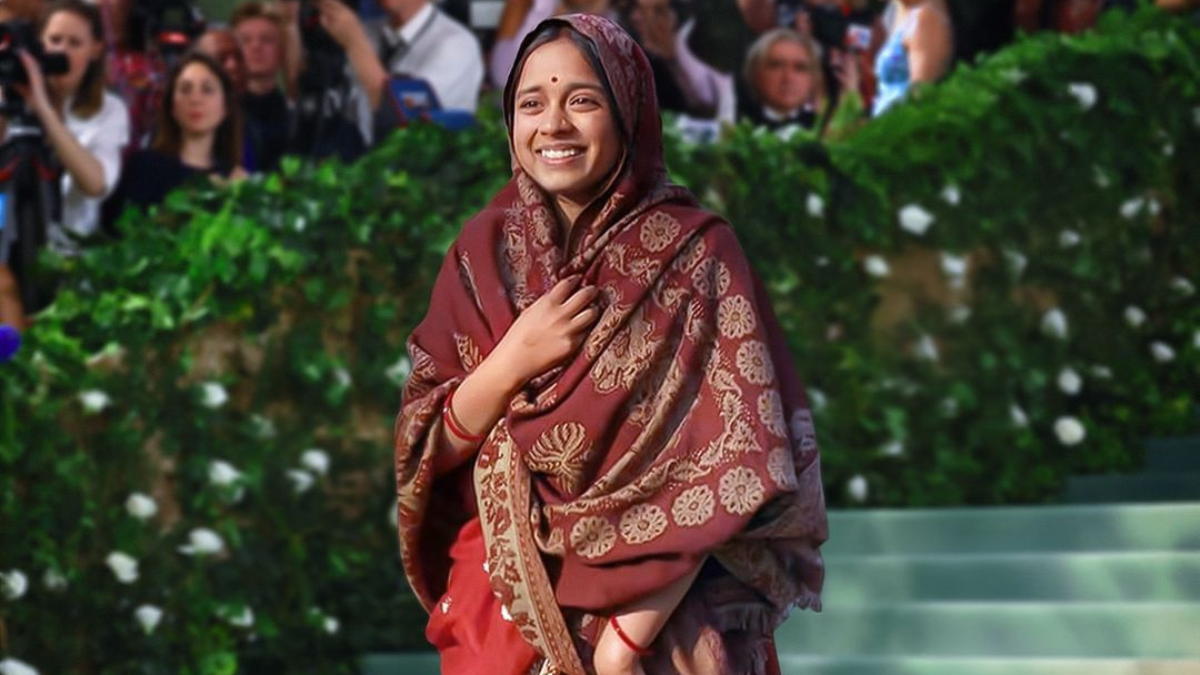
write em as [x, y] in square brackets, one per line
[400, 663]
[1095, 577]
[1137, 488]
[805, 665]
[997, 629]
[1012, 529]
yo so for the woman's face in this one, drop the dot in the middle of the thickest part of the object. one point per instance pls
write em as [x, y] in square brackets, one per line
[70, 34]
[564, 130]
[785, 78]
[199, 101]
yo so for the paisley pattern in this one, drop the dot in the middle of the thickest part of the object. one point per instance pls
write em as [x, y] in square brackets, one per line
[661, 443]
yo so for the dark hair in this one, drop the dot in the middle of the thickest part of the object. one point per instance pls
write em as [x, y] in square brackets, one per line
[90, 97]
[227, 147]
[549, 32]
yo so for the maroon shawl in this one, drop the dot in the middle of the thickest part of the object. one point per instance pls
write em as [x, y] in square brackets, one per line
[678, 434]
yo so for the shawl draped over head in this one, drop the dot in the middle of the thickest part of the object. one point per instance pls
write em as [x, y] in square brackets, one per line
[678, 434]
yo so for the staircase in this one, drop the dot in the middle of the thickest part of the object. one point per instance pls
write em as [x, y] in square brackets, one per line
[1107, 584]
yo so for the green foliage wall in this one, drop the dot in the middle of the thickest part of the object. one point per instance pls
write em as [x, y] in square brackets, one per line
[211, 398]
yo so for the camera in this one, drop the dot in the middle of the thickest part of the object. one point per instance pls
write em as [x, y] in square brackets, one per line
[168, 25]
[20, 35]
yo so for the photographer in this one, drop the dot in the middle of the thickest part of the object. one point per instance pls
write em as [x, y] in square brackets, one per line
[85, 126]
[415, 39]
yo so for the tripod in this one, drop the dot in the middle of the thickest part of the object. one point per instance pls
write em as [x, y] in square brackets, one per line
[31, 200]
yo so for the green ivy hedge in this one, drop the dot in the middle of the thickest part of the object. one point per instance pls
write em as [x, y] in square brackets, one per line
[195, 440]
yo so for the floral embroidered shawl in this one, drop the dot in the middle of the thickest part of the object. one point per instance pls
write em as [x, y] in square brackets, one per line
[678, 434]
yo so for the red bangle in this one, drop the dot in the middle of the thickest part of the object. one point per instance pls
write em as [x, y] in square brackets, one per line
[454, 425]
[640, 651]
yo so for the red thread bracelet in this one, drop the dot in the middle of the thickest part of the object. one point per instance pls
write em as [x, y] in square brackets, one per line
[640, 651]
[454, 425]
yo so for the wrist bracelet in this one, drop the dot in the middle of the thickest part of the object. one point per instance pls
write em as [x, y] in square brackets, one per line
[640, 651]
[454, 426]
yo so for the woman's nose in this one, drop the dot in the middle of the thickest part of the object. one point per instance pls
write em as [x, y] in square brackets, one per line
[554, 121]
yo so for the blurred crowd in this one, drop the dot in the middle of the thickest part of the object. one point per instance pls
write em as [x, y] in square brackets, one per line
[114, 103]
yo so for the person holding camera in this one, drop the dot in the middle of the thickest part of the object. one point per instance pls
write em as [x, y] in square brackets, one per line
[415, 39]
[83, 124]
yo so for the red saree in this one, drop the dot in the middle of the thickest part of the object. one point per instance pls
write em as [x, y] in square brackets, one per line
[678, 436]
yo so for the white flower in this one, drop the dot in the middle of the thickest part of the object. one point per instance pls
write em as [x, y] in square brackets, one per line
[817, 399]
[94, 400]
[213, 395]
[398, 371]
[1017, 262]
[1102, 372]
[141, 506]
[1100, 178]
[1084, 93]
[315, 460]
[926, 349]
[1153, 206]
[959, 314]
[955, 268]
[15, 667]
[148, 616]
[123, 566]
[1162, 352]
[915, 219]
[857, 488]
[892, 448]
[822, 261]
[1013, 75]
[331, 625]
[263, 426]
[1018, 416]
[876, 266]
[1196, 339]
[1054, 323]
[1134, 316]
[1069, 430]
[342, 377]
[951, 195]
[1130, 208]
[301, 480]
[948, 408]
[1069, 381]
[1069, 238]
[13, 584]
[222, 473]
[54, 580]
[203, 541]
[243, 619]
[1168, 149]
[1183, 286]
[815, 205]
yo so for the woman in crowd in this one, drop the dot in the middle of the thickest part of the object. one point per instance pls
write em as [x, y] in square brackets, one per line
[784, 74]
[919, 48]
[84, 125]
[605, 461]
[199, 133]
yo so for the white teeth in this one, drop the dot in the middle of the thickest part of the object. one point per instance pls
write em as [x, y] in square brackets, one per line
[559, 154]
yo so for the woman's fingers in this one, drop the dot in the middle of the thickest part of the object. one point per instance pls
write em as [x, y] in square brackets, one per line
[583, 319]
[580, 299]
[562, 290]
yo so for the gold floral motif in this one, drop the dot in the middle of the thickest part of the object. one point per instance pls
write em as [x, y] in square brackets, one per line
[561, 452]
[593, 536]
[770, 413]
[692, 254]
[693, 507]
[627, 357]
[781, 468]
[741, 490]
[735, 317]
[754, 363]
[643, 523]
[711, 278]
[468, 352]
[658, 231]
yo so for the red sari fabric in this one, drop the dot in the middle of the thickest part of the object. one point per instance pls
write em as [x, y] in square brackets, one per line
[679, 436]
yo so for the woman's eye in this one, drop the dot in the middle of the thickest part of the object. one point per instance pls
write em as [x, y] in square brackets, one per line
[528, 104]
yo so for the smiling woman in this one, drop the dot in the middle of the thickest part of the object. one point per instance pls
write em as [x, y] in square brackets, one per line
[605, 461]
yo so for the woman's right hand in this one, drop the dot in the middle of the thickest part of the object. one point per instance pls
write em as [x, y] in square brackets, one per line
[549, 331]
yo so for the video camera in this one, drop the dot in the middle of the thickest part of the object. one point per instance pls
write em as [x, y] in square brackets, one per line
[17, 35]
[168, 25]
[831, 27]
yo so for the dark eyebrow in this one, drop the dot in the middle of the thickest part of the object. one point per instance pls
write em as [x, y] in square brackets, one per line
[574, 86]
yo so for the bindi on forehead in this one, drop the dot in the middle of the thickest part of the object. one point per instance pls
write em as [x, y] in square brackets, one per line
[554, 79]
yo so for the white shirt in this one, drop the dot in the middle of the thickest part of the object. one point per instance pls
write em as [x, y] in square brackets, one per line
[440, 51]
[104, 135]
